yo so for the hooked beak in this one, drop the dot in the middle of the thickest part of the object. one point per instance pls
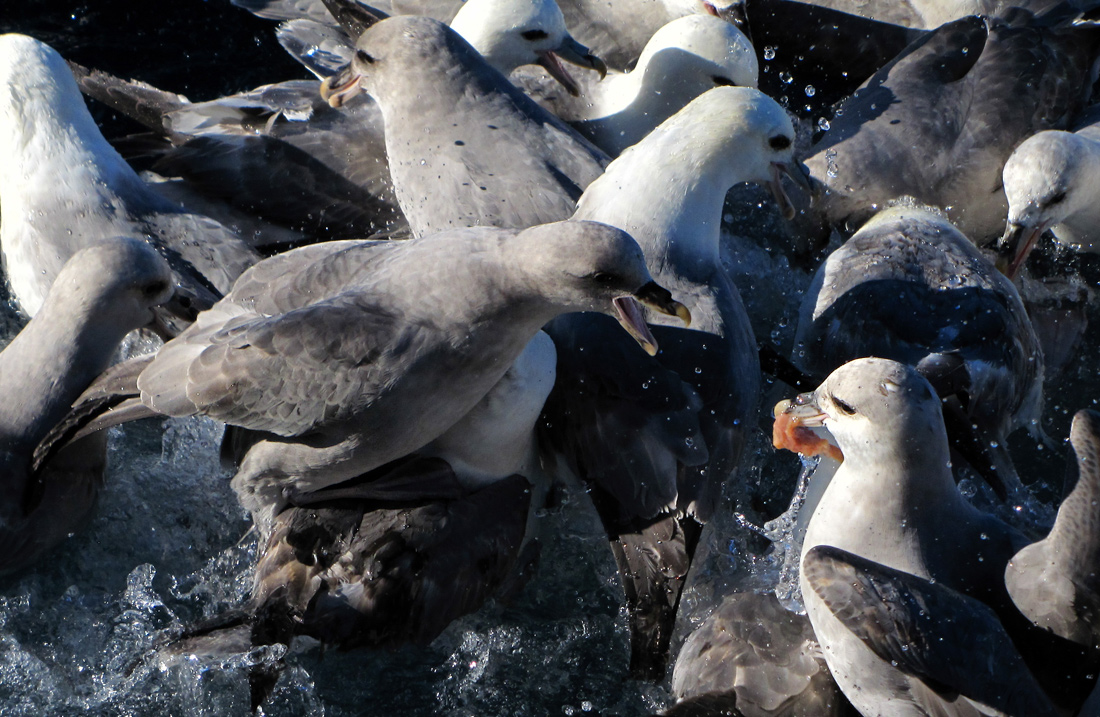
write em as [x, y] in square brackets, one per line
[632, 318]
[574, 53]
[802, 407]
[176, 313]
[1015, 245]
[801, 177]
[341, 87]
[794, 420]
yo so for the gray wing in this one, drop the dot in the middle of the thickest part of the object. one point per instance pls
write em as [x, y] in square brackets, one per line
[952, 643]
[940, 121]
[218, 253]
[655, 438]
[867, 157]
[326, 174]
[278, 152]
[908, 288]
[286, 374]
[1055, 582]
[754, 653]
[137, 100]
[286, 9]
[833, 52]
[322, 48]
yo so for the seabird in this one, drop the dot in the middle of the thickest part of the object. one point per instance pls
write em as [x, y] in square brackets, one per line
[280, 151]
[101, 294]
[340, 357]
[1050, 182]
[911, 287]
[754, 656]
[682, 60]
[465, 147]
[396, 555]
[657, 438]
[65, 188]
[1055, 581]
[939, 122]
[893, 501]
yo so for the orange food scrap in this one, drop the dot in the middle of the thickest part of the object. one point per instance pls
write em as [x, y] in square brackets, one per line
[789, 433]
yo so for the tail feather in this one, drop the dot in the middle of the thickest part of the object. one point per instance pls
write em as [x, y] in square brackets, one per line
[137, 100]
[653, 565]
[112, 399]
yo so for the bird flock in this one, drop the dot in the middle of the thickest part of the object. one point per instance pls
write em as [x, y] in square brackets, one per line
[501, 259]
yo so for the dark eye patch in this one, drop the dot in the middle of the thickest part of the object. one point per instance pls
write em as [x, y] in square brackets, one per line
[362, 56]
[534, 35]
[601, 277]
[1057, 198]
[720, 81]
[155, 288]
[845, 408]
[779, 142]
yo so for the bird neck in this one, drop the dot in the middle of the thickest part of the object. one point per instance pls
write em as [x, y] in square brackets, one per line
[56, 154]
[51, 361]
[629, 107]
[674, 212]
[881, 504]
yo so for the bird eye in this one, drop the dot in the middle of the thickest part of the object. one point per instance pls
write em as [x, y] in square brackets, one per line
[1057, 198]
[779, 142]
[157, 287]
[602, 278]
[534, 35]
[720, 81]
[845, 408]
[364, 57]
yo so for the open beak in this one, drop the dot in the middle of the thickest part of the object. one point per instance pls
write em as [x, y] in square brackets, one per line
[341, 87]
[574, 53]
[795, 420]
[632, 318]
[798, 173]
[1015, 245]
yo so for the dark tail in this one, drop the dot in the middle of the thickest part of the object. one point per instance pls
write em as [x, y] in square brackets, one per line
[111, 400]
[137, 100]
[653, 565]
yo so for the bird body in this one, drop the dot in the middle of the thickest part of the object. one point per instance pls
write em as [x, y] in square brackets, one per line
[101, 294]
[65, 188]
[893, 501]
[347, 355]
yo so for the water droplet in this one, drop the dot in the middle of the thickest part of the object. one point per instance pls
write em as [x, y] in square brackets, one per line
[786, 78]
[823, 124]
[769, 53]
[810, 91]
